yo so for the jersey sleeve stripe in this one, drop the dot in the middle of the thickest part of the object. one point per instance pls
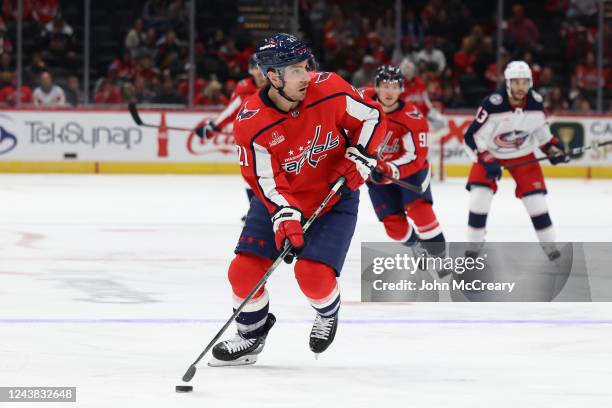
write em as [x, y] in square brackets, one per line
[229, 110]
[265, 176]
[368, 115]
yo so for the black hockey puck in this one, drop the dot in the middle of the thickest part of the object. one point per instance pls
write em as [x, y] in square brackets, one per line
[184, 388]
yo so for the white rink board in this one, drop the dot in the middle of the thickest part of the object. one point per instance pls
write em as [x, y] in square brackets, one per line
[101, 136]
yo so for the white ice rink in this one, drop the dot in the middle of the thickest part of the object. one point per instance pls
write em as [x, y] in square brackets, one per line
[114, 284]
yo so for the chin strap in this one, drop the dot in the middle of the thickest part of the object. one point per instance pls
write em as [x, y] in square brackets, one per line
[280, 90]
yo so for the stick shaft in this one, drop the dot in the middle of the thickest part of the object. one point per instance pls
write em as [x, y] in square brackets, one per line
[575, 150]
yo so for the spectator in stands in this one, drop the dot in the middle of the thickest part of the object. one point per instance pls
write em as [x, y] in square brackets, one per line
[136, 36]
[58, 41]
[8, 94]
[108, 93]
[168, 93]
[37, 66]
[522, 30]
[43, 11]
[464, 59]
[178, 15]
[142, 92]
[48, 95]
[9, 9]
[583, 106]
[123, 68]
[148, 48]
[584, 10]
[146, 69]
[73, 91]
[546, 82]
[578, 40]
[364, 76]
[6, 47]
[412, 29]
[154, 14]
[212, 95]
[7, 68]
[433, 57]
[169, 48]
[587, 74]
[554, 101]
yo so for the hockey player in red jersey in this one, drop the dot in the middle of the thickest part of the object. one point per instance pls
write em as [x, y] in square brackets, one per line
[403, 156]
[509, 125]
[295, 138]
[243, 90]
[415, 92]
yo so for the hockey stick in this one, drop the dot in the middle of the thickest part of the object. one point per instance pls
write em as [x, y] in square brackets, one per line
[571, 152]
[192, 368]
[403, 184]
[136, 116]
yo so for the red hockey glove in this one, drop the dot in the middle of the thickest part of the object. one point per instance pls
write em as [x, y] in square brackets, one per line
[384, 169]
[555, 150]
[356, 166]
[287, 224]
[490, 164]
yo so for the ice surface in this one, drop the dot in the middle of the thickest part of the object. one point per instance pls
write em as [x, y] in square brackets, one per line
[114, 284]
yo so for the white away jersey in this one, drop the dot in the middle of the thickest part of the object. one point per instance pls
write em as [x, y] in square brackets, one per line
[508, 132]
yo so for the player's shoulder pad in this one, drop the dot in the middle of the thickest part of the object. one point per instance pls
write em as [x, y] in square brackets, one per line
[495, 102]
[331, 83]
[535, 101]
[245, 86]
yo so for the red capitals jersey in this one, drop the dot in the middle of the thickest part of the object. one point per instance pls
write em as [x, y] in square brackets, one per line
[415, 92]
[406, 138]
[287, 157]
[243, 90]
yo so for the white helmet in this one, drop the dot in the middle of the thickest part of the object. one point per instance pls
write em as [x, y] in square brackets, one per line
[408, 69]
[517, 69]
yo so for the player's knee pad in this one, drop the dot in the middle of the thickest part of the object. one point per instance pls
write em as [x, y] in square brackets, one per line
[396, 226]
[536, 207]
[422, 213]
[535, 204]
[480, 199]
[245, 271]
[316, 280]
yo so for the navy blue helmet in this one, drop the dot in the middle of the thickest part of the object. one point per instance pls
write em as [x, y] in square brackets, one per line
[388, 73]
[280, 51]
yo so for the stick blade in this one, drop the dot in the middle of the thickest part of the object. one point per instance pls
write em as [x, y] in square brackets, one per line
[134, 113]
[189, 373]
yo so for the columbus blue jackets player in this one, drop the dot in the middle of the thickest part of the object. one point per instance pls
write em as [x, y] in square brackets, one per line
[509, 125]
[295, 138]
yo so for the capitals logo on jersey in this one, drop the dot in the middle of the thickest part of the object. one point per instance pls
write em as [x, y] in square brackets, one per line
[246, 113]
[312, 154]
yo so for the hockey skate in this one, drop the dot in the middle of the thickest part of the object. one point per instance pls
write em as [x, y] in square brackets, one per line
[551, 251]
[434, 251]
[240, 351]
[323, 333]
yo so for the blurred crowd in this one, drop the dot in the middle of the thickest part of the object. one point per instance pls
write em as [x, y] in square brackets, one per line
[451, 43]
